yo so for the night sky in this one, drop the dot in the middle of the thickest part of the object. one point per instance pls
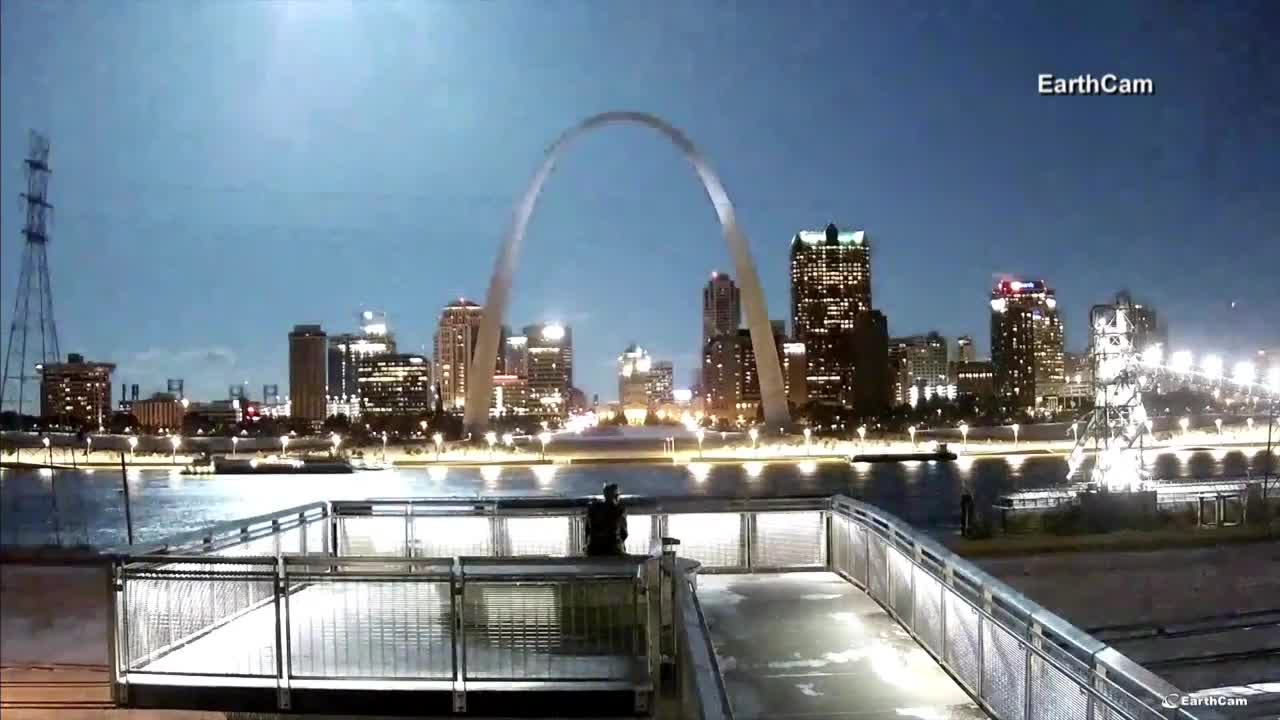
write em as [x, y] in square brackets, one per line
[223, 170]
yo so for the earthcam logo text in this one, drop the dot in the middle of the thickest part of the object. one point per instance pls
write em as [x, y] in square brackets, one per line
[1108, 84]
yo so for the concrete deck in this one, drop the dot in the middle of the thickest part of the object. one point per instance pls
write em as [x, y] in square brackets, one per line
[810, 645]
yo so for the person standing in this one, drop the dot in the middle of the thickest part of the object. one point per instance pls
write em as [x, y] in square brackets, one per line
[607, 524]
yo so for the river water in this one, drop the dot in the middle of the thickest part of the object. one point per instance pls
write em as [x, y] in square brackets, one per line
[86, 506]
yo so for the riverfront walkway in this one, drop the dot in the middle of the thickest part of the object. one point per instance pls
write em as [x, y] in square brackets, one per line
[810, 645]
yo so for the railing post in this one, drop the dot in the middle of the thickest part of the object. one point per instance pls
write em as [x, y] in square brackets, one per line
[1033, 643]
[302, 533]
[117, 635]
[279, 589]
[948, 589]
[651, 590]
[982, 643]
[918, 561]
[458, 637]
[746, 528]
[275, 537]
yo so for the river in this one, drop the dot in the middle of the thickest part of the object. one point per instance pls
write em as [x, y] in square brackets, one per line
[90, 510]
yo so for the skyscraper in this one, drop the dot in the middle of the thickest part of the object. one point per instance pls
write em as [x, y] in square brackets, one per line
[634, 366]
[550, 368]
[1147, 328]
[731, 386]
[346, 350]
[921, 363]
[1026, 344]
[307, 372]
[721, 307]
[455, 341]
[515, 360]
[965, 351]
[394, 384]
[661, 382]
[830, 286]
[76, 390]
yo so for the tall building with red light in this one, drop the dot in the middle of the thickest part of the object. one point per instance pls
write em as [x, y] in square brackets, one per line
[1026, 345]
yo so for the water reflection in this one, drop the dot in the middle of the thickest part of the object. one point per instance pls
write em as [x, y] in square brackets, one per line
[699, 471]
[925, 494]
[544, 474]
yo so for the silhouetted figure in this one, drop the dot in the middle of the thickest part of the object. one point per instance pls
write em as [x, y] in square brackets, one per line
[966, 513]
[607, 524]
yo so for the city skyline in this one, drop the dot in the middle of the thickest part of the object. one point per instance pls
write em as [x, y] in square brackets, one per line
[157, 186]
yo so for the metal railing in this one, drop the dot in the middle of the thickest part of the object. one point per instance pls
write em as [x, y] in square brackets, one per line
[1016, 659]
[295, 622]
[360, 575]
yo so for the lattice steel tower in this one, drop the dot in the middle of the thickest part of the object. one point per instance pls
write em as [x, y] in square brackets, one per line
[33, 283]
[1118, 423]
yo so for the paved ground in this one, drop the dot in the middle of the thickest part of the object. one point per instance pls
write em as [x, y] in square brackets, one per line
[810, 645]
[53, 652]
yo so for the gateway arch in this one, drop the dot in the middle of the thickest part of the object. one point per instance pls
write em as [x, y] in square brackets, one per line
[484, 359]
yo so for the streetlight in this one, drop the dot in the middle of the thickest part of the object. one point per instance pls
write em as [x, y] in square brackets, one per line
[235, 440]
[1015, 428]
[491, 437]
[755, 435]
[1212, 367]
[384, 447]
[175, 441]
[284, 445]
[48, 447]
[336, 439]
[862, 435]
[508, 439]
[964, 434]
[1218, 422]
[1181, 362]
[1244, 373]
[423, 424]
[808, 447]
[439, 440]
[88, 446]
[912, 429]
[701, 435]
[1184, 424]
[1075, 438]
[1249, 422]
[544, 437]
[133, 443]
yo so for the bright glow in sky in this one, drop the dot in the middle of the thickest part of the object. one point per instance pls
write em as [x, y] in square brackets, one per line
[224, 170]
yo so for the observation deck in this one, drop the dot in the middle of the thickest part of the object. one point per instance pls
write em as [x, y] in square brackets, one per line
[803, 607]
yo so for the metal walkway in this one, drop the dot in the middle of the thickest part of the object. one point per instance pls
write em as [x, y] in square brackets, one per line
[802, 607]
[811, 645]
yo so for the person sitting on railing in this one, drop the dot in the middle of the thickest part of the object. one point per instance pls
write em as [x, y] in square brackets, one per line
[607, 524]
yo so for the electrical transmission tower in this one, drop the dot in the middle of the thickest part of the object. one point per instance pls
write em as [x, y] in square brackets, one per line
[33, 283]
[1118, 422]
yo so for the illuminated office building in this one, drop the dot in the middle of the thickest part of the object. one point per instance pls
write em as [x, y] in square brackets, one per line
[1026, 344]
[550, 368]
[661, 384]
[830, 286]
[721, 307]
[307, 350]
[347, 350]
[919, 361]
[394, 384]
[455, 342]
[634, 366]
[76, 390]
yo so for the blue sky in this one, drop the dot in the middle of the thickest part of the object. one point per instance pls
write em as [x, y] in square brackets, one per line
[224, 170]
